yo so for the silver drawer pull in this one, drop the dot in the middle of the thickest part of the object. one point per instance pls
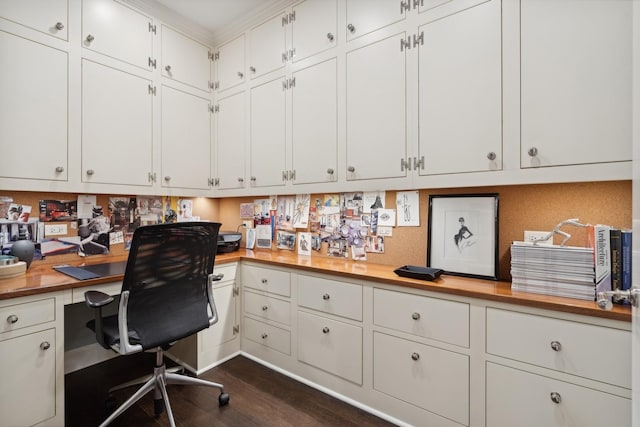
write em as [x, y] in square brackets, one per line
[326, 297]
[59, 26]
[264, 336]
[415, 316]
[415, 356]
[90, 38]
[45, 345]
[556, 346]
[532, 152]
[555, 397]
[325, 330]
[12, 319]
[59, 169]
[264, 308]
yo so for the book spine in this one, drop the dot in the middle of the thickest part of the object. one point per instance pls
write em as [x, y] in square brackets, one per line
[615, 242]
[626, 240]
[602, 254]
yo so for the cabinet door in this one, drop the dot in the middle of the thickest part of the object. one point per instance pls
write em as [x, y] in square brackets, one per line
[376, 110]
[575, 81]
[267, 47]
[364, 17]
[47, 16]
[115, 30]
[460, 92]
[185, 60]
[314, 124]
[29, 382]
[230, 65]
[268, 162]
[229, 158]
[117, 135]
[314, 27]
[222, 331]
[33, 110]
[186, 140]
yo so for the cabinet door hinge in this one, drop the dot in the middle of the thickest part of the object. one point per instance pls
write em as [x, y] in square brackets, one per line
[285, 19]
[292, 175]
[151, 176]
[292, 53]
[236, 291]
[405, 43]
[152, 90]
[418, 39]
[405, 5]
[216, 85]
[405, 164]
[285, 56]
[152, 28]
[418, 3]
[236, 329]
[418, 164]
[214, 56]
[152, 63]
[292, 16]
[285, 84]
[214, 108]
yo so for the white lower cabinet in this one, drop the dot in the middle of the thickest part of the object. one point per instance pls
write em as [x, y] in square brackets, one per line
[518, 398]
[270, 336]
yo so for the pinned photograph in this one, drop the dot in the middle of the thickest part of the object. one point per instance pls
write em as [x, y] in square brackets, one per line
[304, 243]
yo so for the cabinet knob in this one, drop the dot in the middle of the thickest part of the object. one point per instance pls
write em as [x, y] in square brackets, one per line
[415, 356]
[59, 26]
[264, 336]
[491, 156]
[326, 297]
[330, 171]
[415, 316]
[325, 330]
[264, 308]
[59, 169]
[90, 38]
[351, 28]
[90, 172]
[167, 178]
[533, 151]
[168, 68]
[264, 281]
[45, 345]
[252, 69]
[240, 74]
[330, 37]
[555, 397]
[351, 169]
[240, 180]
[556, 346]
[12, 319]
[253, 179]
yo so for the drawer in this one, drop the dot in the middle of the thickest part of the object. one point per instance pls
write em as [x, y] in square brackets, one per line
[518, 398]
[18, 316]
[339, 298]
[112, 288]
[227, 270]
[594, 352]
[270, 336]
[433, 379]
[265, 279]
[267, 307]
[433, 318]
[330, 345]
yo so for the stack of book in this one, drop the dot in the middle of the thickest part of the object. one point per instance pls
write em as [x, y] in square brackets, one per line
[565, 271]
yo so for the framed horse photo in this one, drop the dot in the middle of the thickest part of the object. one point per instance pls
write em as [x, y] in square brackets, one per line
[462, 235]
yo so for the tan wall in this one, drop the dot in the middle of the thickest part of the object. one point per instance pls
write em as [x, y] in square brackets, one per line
[530, 207]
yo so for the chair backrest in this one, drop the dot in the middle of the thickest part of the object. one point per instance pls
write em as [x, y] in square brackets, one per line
[167, 276]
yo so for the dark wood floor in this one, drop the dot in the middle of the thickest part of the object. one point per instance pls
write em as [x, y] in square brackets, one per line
[259, 396]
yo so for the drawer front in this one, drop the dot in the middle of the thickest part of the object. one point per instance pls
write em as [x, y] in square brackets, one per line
[267, 307]
[112, 288]
[264, 279]
[29, 379]
[595, 352]
[434, 379]
[227, 270]
[18, 316]
[339, 298]
[267, 335]
[330, 345]
[518, 398]
[437, 319]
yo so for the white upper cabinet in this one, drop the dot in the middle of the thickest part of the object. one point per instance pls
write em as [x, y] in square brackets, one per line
[185, 60]
[314, 123]
[267, 46]
[230, 64]
[576, 72]
[376, 110]
[366, 16]
[117, 139]
[118, 31]
[186, 140]
[268, 134]
[313, 27]
[460, 91]
[47, 16]
[33, 110]
[229, 156]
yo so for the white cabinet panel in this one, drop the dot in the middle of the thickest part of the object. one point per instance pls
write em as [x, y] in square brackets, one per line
[117, 135]
[186, 140]
[313, 29]
[460, 91]
[229, 157]
[365, 16]
[314, 122]
[230, 64]
[268, 280]
[116, 30]
[47, 16]
[185, 60]
[575, 81]
[27, 314]
[267, 45]
[222, 331]
[33, 110]
[267, 335]
[268, 308]
[376, 110]
[330, 296]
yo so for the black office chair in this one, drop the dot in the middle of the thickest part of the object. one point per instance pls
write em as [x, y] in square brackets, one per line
[167, 294]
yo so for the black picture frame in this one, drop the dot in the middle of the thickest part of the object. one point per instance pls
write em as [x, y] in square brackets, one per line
[462, 234]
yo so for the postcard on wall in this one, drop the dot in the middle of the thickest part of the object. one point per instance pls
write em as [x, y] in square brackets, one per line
[374, 244]
[150, 210]
[386, 217]
[185, 210]
[285, 240]
[85, 205]
[123, 213]
[408, 208]
[246, 210]
[338, 248]
[358, 253]
[58, 210]
[372, 200]
[351, 204]
[331, 204]
[304, 243]
[301, 213]
[285, 213]
[263, 236]
[316, 242]
[18, 212]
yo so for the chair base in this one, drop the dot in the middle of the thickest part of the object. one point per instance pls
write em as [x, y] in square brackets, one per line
[157, 382]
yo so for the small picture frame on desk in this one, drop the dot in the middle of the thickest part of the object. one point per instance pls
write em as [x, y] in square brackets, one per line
[462, 235]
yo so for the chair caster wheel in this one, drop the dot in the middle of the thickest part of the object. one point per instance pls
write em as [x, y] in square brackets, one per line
[158, 406]
[223, 399]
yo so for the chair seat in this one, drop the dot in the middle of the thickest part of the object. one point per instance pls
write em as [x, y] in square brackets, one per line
[111, 331]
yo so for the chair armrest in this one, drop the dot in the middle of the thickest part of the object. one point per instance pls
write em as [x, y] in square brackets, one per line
[97, 299]
[217, 277]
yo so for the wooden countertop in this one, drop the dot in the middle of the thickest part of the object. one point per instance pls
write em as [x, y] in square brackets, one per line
[41, 278]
